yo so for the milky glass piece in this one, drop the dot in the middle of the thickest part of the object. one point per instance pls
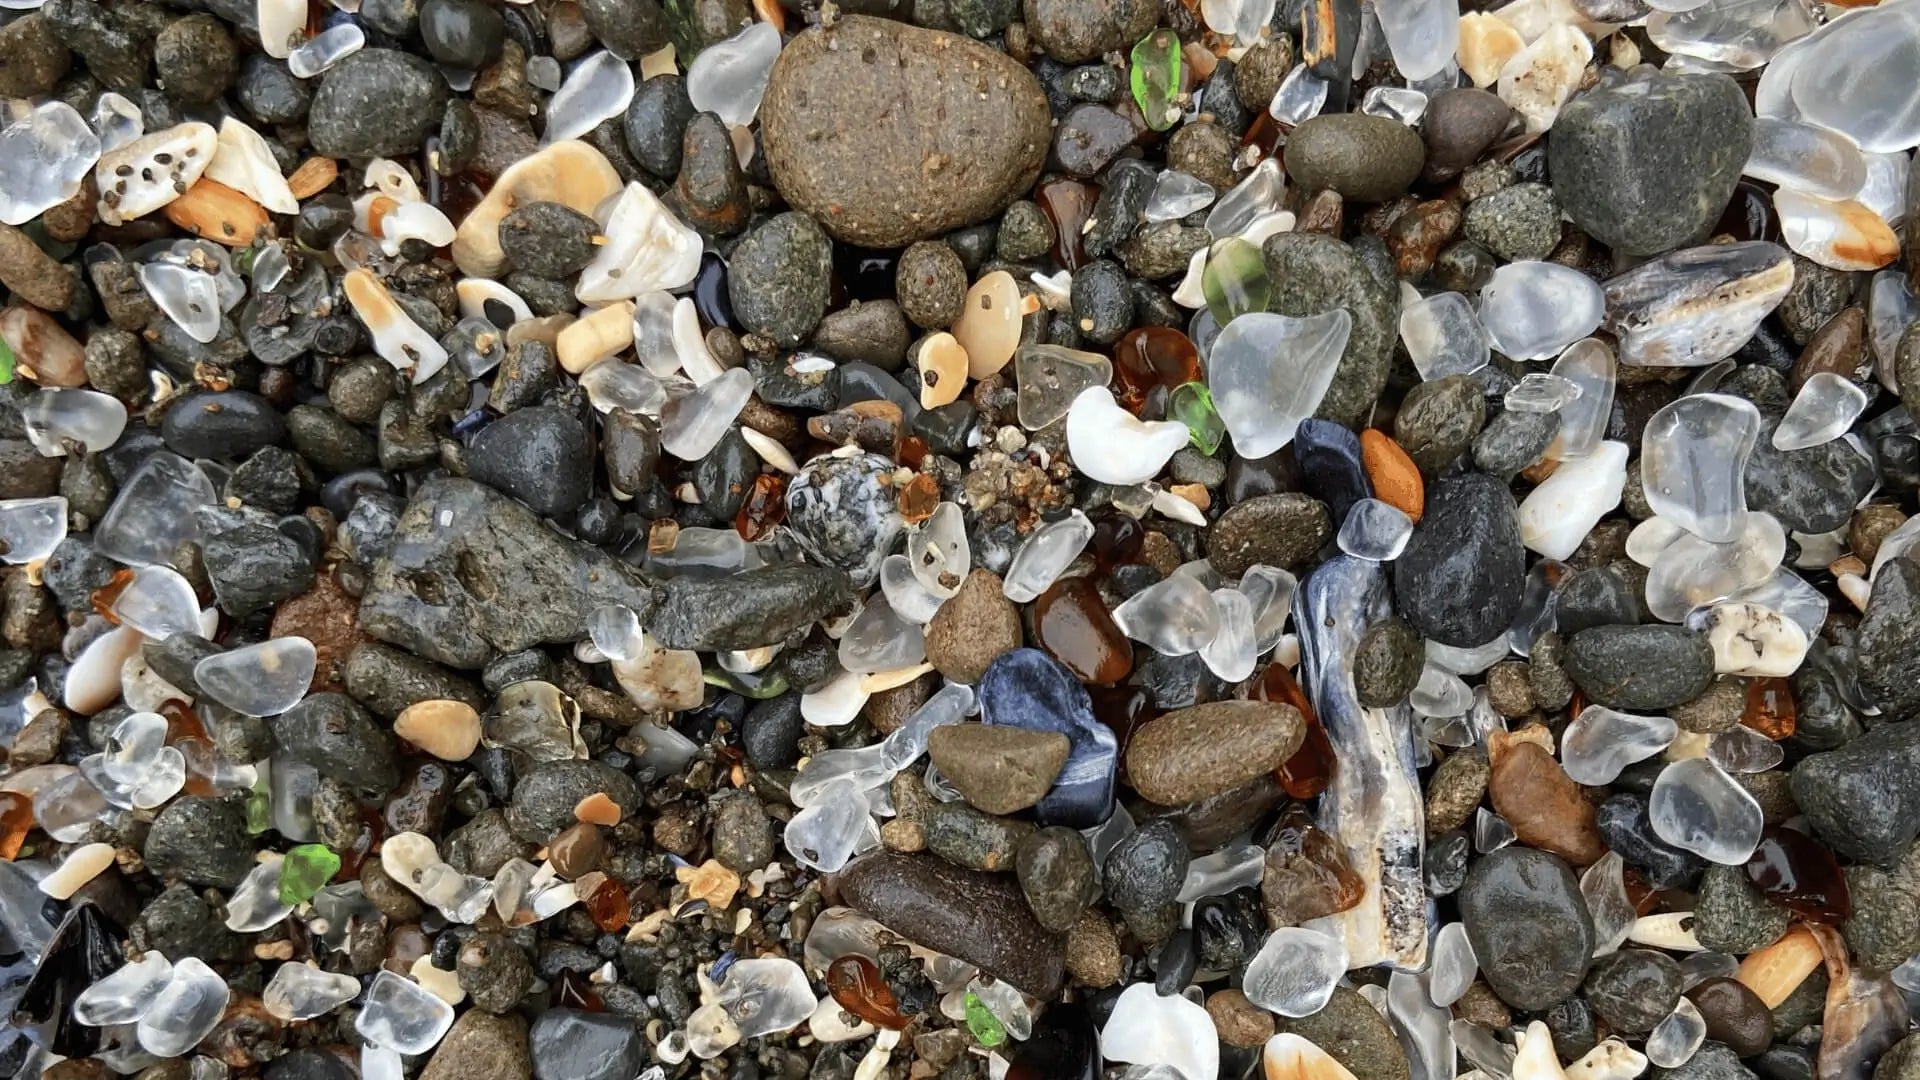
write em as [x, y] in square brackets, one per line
[1538, 80]
[1443, 336]
[1177, 194]
[124, 996]
[1269, 372]
[55, 416]
[1697, 807]
[1675, 1039]
[1236, 866]
[152, 514]
[948, 705]
[1422, 34]
[1541, 392]
[1789, 594]
[1823, 410]
[1395, 103]
[1112, 446]
[302, 992]
[1806, 158]
[1241, 20]
[647, 249]
[880, 640]
[1300, 97]
[598, 87]
[730, 77]
[692, 424]
[1601, 742]
[906, 594]
[322, 51]
[1482, 1049]
[133, 745]
[256, 904]
[1849, 80]
[1439, 692]
[1891, 306]
[117, 120]
[1454, 964]
[1231, 654]
[44, 156]
[1603, 886]
[31, 528]
[1259, 194]
[66, 807]
[823, 836]
[1295, 971]
[1174, 616]
[402, 1015]
[159, 603]
[1732, 35]
[1374, 530]
[1559, 513]
[259, 680]
[1426, 1027]
[615, 631]
[1588, 364]
[1696, 306]
[1051, 377]
[1885, 192]
[614, 384]
[1690, 572]
[1149, 1028]
[186, 296]
[1270, 590]
[186, 1011]
[1741, 749]
[1841, 235]
[1693, 463]
[1533, 310]
[939, 550]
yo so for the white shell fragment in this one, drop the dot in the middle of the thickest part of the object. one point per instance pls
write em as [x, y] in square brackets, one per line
[148, 173]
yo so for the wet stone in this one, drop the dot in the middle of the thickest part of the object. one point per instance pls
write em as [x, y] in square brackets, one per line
[481, 1046]
[1313, 274]
[1813, 490]
[223, 425]
[1283, 530]
[1460, 123]
[1625, 825]
[1439, 419]
[778, 278]
[545, 797]
[1387, 664]
[998, 769]
[1861, 799]
[1640, 668]
[1354, 1034]
[1731, 915]
[1633, 989]
[1515, 223]
[1713, 1061]
[977, 917]
[1734, 1015]
[1528, 925]
[332, 733]
[1364, 158]
[566, 1044]
[254, 567]
[1075, 31]
[975, 626]
[32, 57]
[1144, 871]
[201, 841]
[375, 102]
[1462, 569]
[1888, 645]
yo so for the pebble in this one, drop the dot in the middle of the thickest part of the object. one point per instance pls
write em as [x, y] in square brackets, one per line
[930, 281]
[1240, 1022]
[1387, 664]
[253, 567]
[763, 606]
[861, 170]
[1515, 223]
[1075, 31]
[1888, 641]
[195, 59]
[1364, 158]
[1734, 1014]
[1143, 873]
[1206, 750]
[1713, 1061]
[569, 1044]
[1438, 421]
[1528, 925]
[545, 796]
[1455, 790]
[1862, 799]
[998, 769]
[1544, 806]
[1283, 530]
[1057, 876]
[481, 1046]
[1730, 915]
[977, 917]
[201, 841]
[32, 57]
[1458, 125]
[1649, 165]
[375, 103]
[844, 512]
[974, 627]
[1355, 1034]
[1093, 952]
[333, 734]
[1633, 989]
[1312, 274]
[541, 455]
[1464, 564]
[1640, 668]
[778, 277]
[1813, 490]
[465, 34]
[228, 424]
[1627, 828]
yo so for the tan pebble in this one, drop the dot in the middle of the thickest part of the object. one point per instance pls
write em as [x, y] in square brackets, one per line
[1486, 44]
[274, 950]
[989, 324]
[1847, 564]
[943, 370]
[1499, 742]
[1687, 744]
[85, 863]
[571, 173]
[661, 60]
[1193, 493]
[447, 729]
[213, 211]
[598, 809]
[711, 882]
[314, 176]
[595, 336]
[1240, 1022]
[1775, 972]
[1293, 1057]
[444, 985]
[879, 681]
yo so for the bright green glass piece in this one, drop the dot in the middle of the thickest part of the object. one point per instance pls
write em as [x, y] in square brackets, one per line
[987, 1029]
[6, 363]
[305, 871]
[259, 807]
[1235, 281]
[1155, 64]
[1192, 404]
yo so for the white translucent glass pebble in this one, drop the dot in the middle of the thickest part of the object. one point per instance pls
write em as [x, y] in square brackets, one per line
[270, 268]
[1693, 463]
[1491, 832]
[381, 1063]
[322, 51]
[1540, 78]
[1269, 372]
[1177, 194]
[1046, 552]
[1890, 307]
[1422, 34]
[1259, 194]
[1541, 392]
[904, 745]
[1395, 103]
[159, 603]
[245, 163]
[1789, 594]
[765, 996]
[1231, 654]
[282, 24]
[1601, 742]
[1443, 336]
[1558, 514]
[615, 631]
[1174, 616]
[1823, 410]
[1113, 446]
[1236, 866]
[880, 640]
[1697, 807]
[1806, 158]
[836, 703]
[907, 594]
[1375, 531]
[186, 1011]
[1467, 661]
[153, 511]
[599, 86]
[1729, 35]
[44, 156]
[31, 528]
[1696, 306]
[1603, 886]
[117, 120]
[939, 551]
[1454, 964]
[186, 296]
[302, 992]
[124, 996]
[615, 384]
[1427, 1027]
[1270, 590]
[57, 415]
[823, 836]
[1691, 572]
[1295, 971]
[1741, 750]
[133, 744]
[1439, 692]
[396, 337]
[1299, 98]
[1885, 192]
[1050, 377]
[256, 904]
[1482, 1049]
[729, 78]
[647, 249]
[690, 344]
[265, 679]
[1150, 1029]
[1851, 79]
[1533, 310]
[402, 1015]
[415, 221]
[1588, 364]
[1843, 235]
[1751, 640]
[692, 424]
[1241, 20]
[1675, 1040]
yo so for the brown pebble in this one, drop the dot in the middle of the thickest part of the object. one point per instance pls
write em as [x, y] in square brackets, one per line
[1193, 753]
[1735, 1015]
[973, 628]
[1869, 526]
[32, 275]
[1093, 951]
[1510, 688]
[576, 850]
[1480, 1005]
[1240, 1022]
[447, 729]
[1543, 804]
[1456, 789]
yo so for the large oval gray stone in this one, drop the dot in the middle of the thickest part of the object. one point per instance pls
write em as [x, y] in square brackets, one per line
[1458, 581]
[1528, 926]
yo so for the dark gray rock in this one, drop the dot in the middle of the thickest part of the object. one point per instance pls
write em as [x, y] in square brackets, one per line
[1363, 157]
[1528, 925]
[1144, 870]
[548, 240]
[568, 1044]
[541, 455]
[225, 425]
[1812, 490]
[742, 832]
[1864, 798]
[254, 567]
[1355, 1034]
[656, 122]
[1057, 876]
[1459, 578]
[332, 733]
[1515, 223]
[1284, 530]
[1713, 1061]
[1312, 273]
[747, 610]
[629, 29]
[978, 917]
[1730, 915]
[200, 841]
[544, 799]
[1640, 668]
[1633, 989]
[778, 278]
[377, 102]
[1888, 645]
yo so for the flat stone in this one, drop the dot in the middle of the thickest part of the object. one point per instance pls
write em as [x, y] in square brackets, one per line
[1194, 753]
[850, 140]
[1459, 579]
[472, 573]
[568, 1044]
[1528, 926]
[1640, 668]
[749, 609]
[977, 917]
[998, 769]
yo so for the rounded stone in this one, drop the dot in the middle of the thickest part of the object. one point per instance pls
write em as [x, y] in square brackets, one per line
[1731, 916]
[1734, 1014]
[779, 276]
[548, 240]
[1461, 573]
[1640, 668]
[465, 34]
[930, 283]
[1365, 158]
[201, 841]
[1075, 31]
[1195, 753]
[976, 625]
[195, 59]
[1633, 989]
[376, 103]
[541, 455]
[1057, 876]
[1283, 530]
[1516, 223]
[1528, 926]
[1387, 664]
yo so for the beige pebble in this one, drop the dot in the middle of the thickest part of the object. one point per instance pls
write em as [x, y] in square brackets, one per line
[598, 334]
[943, 370]
[447, 729]
[86, 863]
[1487, 42]
[989, 324]
[598, 809]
